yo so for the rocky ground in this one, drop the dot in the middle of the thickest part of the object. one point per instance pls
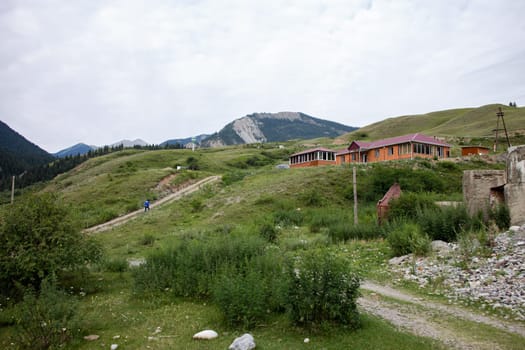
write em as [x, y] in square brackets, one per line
[492, 278]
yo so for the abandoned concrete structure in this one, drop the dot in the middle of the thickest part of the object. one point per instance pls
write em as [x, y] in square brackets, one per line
[483, 189]
[515, 186]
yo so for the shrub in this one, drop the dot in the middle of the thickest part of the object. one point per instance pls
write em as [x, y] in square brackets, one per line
[444, 223]
[288, 217]
[344, 231]
[326, 217]
[116, 265]
[407, 238]
[322, 289]
[196, 205]
[269, 232]
[37, 240]
[249, 293]
[233, 176]
[188, 268]
[192, 163]
[501, 216]
[312, 198]
[409, 204]
[147, 239]
[47, 319]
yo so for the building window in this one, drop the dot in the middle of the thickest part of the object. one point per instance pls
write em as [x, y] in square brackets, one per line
[377, 153]
[390, 151]
[422, 148]
[403, 149]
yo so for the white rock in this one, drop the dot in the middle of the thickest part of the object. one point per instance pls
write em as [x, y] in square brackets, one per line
[206, 335]
[514, 228]
[114, 346]
[244, 342]
[306, 340]
[440, 246]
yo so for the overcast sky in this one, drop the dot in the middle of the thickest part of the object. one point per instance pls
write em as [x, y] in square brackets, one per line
[99, 71]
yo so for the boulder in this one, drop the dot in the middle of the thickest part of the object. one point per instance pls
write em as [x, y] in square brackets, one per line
[205, 335]
[244, 342]
[440, 247]
[91, 337]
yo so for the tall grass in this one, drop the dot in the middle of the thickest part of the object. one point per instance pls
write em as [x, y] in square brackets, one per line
[188, 268]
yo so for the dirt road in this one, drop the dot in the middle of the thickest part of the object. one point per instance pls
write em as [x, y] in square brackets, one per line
[171, 197]
[455, 327]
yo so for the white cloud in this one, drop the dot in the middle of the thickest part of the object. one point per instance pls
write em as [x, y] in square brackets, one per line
[100, 71]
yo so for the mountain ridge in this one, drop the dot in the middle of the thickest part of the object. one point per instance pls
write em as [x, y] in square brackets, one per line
[17, 154]
[274, 127]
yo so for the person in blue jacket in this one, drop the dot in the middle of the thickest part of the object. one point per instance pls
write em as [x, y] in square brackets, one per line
[146, 205]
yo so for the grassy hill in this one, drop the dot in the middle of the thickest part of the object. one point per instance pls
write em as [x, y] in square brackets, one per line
[309, 207]
[452, 124]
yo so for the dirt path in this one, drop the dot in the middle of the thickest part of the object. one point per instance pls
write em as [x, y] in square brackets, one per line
[173, 196]
[430, 319]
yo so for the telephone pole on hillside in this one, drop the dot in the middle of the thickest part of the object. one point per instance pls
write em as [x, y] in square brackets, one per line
[500, 115]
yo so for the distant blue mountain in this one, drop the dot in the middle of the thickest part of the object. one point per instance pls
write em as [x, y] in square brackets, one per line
[78, 149]
[184, 141]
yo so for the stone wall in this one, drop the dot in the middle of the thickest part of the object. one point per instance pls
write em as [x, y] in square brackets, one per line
[477, 186]
[515, 187]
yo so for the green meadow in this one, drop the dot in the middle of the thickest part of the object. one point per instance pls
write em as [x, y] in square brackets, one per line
[221, 247]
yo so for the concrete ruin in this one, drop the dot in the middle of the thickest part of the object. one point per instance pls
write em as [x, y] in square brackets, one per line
[484, 189]
[515, 186]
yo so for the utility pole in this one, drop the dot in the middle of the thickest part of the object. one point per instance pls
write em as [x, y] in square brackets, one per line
[355, 194]
[500, 114]
[12, 189]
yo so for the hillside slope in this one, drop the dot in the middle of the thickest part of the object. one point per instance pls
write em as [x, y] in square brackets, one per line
[464, 122]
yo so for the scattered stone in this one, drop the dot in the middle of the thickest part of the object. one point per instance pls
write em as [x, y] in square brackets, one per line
[206, 335]
[92, 337]
[398, 260]
[114, 346]
[514, 228]
[244, 342]
[306, 340]
[496, 280]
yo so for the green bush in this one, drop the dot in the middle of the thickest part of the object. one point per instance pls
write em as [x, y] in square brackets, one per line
[46, 319]
[409, 205]
[344, 231]
[269, 232]
[249, 293]
[407, 238]
[500, 214]
[188, 268]
[444, 223]
[326, 217]
[37, 240]
[322, 289]
[196, 205]
[147, 239]
[288, 217]
[233, 176]
[192, 163]
[312, 198]
[116, 265]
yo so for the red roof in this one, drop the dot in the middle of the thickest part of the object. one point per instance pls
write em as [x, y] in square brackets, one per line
[322, 149]
[399, 140]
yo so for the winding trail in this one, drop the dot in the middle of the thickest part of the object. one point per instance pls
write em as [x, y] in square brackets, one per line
[431, 319]
[171, 197]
